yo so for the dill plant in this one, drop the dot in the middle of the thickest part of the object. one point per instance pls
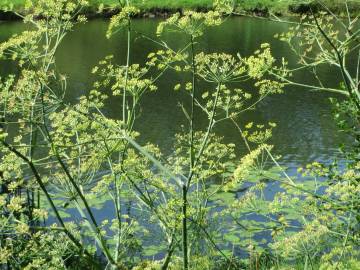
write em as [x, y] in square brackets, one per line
[74, 156]
[313, 220]
[63, 147]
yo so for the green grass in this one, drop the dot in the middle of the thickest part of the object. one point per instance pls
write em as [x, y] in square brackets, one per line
[171, 4]
[143, 4]
[280, 6]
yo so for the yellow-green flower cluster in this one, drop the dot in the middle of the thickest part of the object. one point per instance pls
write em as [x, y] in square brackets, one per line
[163, 59]
[120, 20]
[343, 257]
[245, 203]
[303, 241]
[216, 160]
[314, 169]
[5, 254]
[229, 102]
[267, 87]
[191, 23]
[219, 68]
[149, 265]
[55, 9]
[40, 214]
[248, 163]
[131, 80]
[21, 46]
[260, 62]
[16, 204]
[309, 44]
[224, 6]
[344, 191]
[260, 135]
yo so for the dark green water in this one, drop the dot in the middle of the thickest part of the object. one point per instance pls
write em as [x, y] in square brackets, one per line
[305, 130]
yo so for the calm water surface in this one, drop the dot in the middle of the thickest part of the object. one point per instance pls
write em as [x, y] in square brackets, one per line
[305, 131]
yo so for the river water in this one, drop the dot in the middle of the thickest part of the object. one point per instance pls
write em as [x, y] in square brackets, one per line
[305, 130]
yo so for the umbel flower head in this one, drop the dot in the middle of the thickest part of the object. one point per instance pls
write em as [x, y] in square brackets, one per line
[21, 46]
[133, 80]
[191, 23]
[55, 9]
[121, 20]
[219, 67]
[259, 63]
[224, 6]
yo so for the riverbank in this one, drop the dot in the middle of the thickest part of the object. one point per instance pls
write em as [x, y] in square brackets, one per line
[163, 8]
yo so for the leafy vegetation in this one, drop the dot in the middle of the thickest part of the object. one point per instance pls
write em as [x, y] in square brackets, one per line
[264, 7]
[59, 157]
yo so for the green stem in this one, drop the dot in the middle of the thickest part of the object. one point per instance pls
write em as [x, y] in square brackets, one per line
[354, 95]
[184, 228]
[169, 254]
[185, 185]
[211, 125]
[193, 93]
[127, 68]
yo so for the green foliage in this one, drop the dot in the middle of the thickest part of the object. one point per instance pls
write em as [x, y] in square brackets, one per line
[257, 7]
[72, 158]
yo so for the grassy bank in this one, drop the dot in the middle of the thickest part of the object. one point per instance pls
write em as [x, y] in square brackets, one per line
[144, 5]
[264, 7]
